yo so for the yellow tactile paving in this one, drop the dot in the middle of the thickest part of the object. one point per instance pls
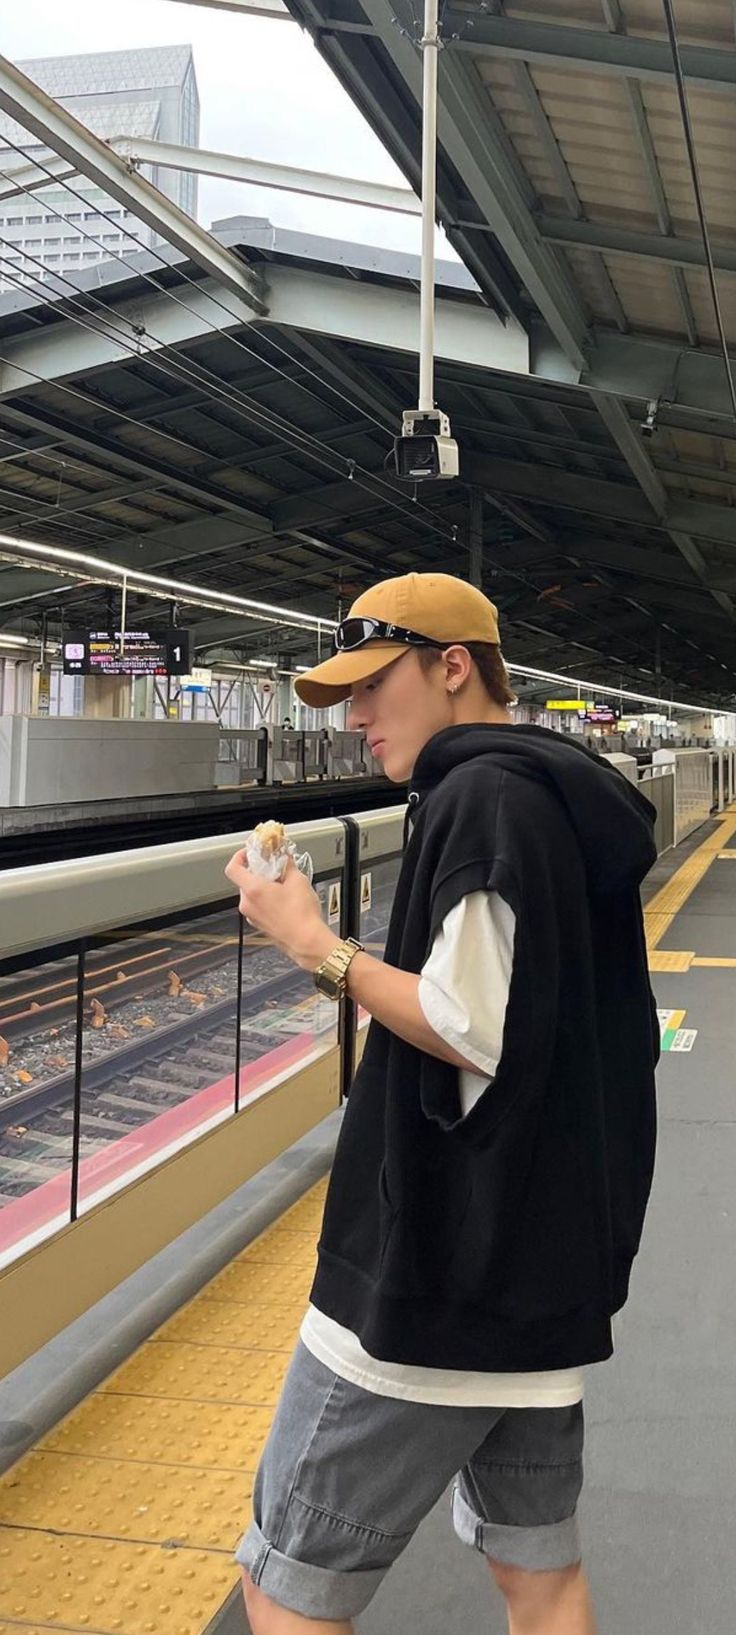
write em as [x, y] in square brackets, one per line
[123, 1521]
[265, 1284]
[661, 960]
[117, 1499]
[667, 902]
[109, 1586]
[256, 1327]
[202, 1373]
[145, 1429]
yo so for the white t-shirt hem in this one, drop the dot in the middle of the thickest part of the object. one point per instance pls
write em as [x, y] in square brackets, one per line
[340, 1351]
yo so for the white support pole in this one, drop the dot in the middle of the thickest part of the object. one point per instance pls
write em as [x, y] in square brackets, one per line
[123, 615]
[430, 52]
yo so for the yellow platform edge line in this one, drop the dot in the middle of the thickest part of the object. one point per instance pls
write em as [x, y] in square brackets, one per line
[666, 903]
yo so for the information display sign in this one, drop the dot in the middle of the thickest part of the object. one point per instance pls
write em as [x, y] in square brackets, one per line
[139, 653]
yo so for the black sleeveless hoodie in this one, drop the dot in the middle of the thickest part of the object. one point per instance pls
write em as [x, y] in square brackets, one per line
[504, 1241]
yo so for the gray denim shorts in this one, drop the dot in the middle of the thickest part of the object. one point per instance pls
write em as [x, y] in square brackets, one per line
[347, 1476]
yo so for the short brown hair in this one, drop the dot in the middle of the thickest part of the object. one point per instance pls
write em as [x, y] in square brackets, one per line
[488, 661]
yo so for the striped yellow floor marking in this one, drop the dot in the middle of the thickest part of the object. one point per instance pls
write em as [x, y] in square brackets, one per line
[124, 1519]
[662, 960]
[728, 856]
[666, 903]
[716, 964]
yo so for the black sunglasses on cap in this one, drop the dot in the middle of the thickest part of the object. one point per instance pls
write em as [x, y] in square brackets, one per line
[354, 633]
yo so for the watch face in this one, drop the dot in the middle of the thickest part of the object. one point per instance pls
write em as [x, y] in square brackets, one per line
[327, 985]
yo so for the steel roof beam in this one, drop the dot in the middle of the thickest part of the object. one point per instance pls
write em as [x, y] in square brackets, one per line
[563, 46]
[66, 136]
[549, 486]
[21, 177]
[691, 385]
[262, 173]
[608, 239]
[471, 143]
[42, 419]
[68, 348]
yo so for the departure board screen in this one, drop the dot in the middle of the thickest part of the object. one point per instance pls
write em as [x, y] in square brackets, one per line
[139, 653]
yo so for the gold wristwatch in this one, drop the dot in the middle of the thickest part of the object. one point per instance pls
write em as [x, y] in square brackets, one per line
[331, 977]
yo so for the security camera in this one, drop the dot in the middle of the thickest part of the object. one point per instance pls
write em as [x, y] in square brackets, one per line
[426, 451]
[649, 423]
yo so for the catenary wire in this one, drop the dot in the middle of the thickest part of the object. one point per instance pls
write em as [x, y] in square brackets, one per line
[698, 191]
[177, 370]
[352, 467]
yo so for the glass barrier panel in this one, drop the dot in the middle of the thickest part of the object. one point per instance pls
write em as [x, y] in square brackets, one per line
[158, 1044]
[284, 1023]
[377, 887]
[38, 1007]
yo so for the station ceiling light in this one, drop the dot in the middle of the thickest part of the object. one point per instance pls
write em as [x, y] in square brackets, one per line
[94, 569]
[100, 571]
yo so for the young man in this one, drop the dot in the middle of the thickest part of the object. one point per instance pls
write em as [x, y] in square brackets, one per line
[496, 1155]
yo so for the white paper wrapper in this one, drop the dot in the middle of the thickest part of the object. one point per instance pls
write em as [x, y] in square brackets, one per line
[272, 868]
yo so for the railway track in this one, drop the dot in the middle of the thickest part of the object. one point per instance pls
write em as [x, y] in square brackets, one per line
[143, 965]
[127, 1085]
[130, 1085]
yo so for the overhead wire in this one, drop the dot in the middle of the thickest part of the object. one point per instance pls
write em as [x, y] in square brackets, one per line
[226, 394]
[173, 370]
[520, 576]
[698, 191]
[185, 278]
[353, 470]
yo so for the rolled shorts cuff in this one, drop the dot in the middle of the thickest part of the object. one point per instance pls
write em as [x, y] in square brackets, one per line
[546, 1548]
[315, 1592]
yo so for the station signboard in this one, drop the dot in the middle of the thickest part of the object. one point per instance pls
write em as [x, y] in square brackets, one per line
[138, 653]
[572, 706]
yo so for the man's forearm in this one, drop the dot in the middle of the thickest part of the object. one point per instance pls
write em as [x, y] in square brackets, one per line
[391, 996]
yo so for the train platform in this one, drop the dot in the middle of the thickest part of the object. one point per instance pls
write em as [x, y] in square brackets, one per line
[123, 1516]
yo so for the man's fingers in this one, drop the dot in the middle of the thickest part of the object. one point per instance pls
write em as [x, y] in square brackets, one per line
[235, 868]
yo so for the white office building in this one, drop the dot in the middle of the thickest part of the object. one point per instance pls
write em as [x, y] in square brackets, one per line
[58, 228]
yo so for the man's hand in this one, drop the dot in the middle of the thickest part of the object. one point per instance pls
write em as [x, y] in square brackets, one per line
[286, 910]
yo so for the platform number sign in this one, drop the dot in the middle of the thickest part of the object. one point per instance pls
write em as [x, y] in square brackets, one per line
[674, 1037]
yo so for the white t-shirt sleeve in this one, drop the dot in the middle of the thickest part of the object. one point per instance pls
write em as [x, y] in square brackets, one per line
[465, 982]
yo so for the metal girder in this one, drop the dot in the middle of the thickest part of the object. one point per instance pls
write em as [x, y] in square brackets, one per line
[172, 476]
[67, 348]
[568, 47]
[261, 173]
[656, 188]
[386, 316]
[66, 136]
[357, 384]
[21, 177]
[466, 136]
[612, 240]
[396, 119]
[631, 368]
[333, 502]
[548, 486]
[615, 418]
[382, 316]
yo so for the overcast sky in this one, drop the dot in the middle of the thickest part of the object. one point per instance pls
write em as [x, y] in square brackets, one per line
[264, 91]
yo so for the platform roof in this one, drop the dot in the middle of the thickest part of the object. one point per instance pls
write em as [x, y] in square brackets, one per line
[247, 452]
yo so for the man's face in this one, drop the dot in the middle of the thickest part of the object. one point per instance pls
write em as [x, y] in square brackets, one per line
[399, 709]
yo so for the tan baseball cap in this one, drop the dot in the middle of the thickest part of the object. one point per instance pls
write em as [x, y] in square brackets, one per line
[436, 605]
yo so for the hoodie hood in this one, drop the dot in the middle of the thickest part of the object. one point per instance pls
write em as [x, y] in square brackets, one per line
[613, 822]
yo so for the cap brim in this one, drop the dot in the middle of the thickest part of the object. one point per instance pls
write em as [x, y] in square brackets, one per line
[332, 682]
